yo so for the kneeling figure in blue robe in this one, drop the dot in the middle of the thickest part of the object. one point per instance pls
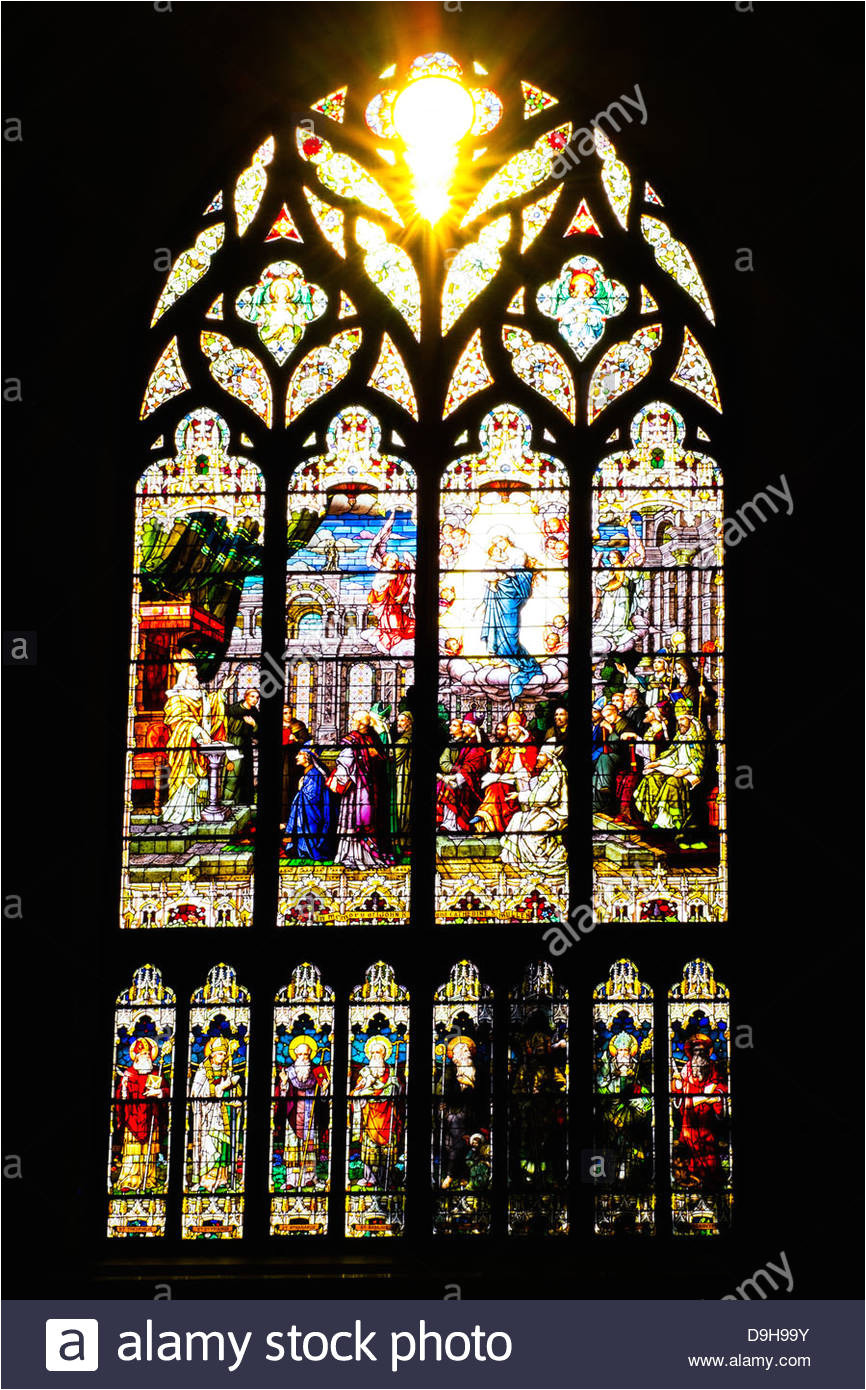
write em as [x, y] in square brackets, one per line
[309, 822]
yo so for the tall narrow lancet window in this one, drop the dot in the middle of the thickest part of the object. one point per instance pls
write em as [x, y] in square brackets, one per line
[193, 690]
[538, 1105]
[658, 683]
[699, 1016]
[300, 1172]
[142, 1079]
[216, 1110]
[502, 790]
[376, 1105]
[462, 1103]
[624, 1130]
[348, 728]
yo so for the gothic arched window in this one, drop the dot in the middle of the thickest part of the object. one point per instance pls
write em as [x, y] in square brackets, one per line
[425, 473]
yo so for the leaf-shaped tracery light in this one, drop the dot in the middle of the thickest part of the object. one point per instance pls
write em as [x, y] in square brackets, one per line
[343, 175]
[676, 258]
[523, 171]
[189, 267]
[390, 268]
[472, 269]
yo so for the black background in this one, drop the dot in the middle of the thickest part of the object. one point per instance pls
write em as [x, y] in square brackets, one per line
[131, 120]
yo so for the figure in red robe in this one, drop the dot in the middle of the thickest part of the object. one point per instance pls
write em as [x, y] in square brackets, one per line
[512, 771]
[459, 786]
[376, 1116]
[141, 1093]
[700, 1095]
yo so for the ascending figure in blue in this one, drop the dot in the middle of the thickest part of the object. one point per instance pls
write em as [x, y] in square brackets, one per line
[504, 598]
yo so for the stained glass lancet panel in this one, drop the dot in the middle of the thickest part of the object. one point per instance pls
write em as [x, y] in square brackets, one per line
[699, 1016]
[347, 782]
[376, 1105]
[462, 1103]
[142, 1078]
[502, 794]
[216, 1118]
[538, 1105]
[623, 1104]
[300, 1172]
[194, 685]
[658, 679]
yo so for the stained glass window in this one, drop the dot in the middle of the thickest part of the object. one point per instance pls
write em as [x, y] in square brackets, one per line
[624, 1161]
[376, 1105]
[462, 1103]
[502, 791]
[216, 1117]
[194, 678]
[534, 347]
[347, 780]
[538, 1105]
[700, 1103]
[300, 1174]
[142, 1079]
[658, 770]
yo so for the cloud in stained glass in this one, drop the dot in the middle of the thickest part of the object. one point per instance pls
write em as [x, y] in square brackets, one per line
[581, 300]
[541, 367]
[167, 379]
[471, 375]
[251, 185]
[391, 270]
[675, 257]
[694, 372]
[189, 267]
[239, 372]
[283, 228]
[615, 177]
[621, 368]
[472, 269]
[343, 175]
[391, 378]
[330, 221]
[320, 371]
[281, 305]
[523, 172]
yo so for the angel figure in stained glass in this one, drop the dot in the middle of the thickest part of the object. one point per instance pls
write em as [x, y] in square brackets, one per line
[392, 598]
[620, 593]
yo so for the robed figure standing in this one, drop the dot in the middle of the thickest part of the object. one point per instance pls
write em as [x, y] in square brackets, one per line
[360, 780]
